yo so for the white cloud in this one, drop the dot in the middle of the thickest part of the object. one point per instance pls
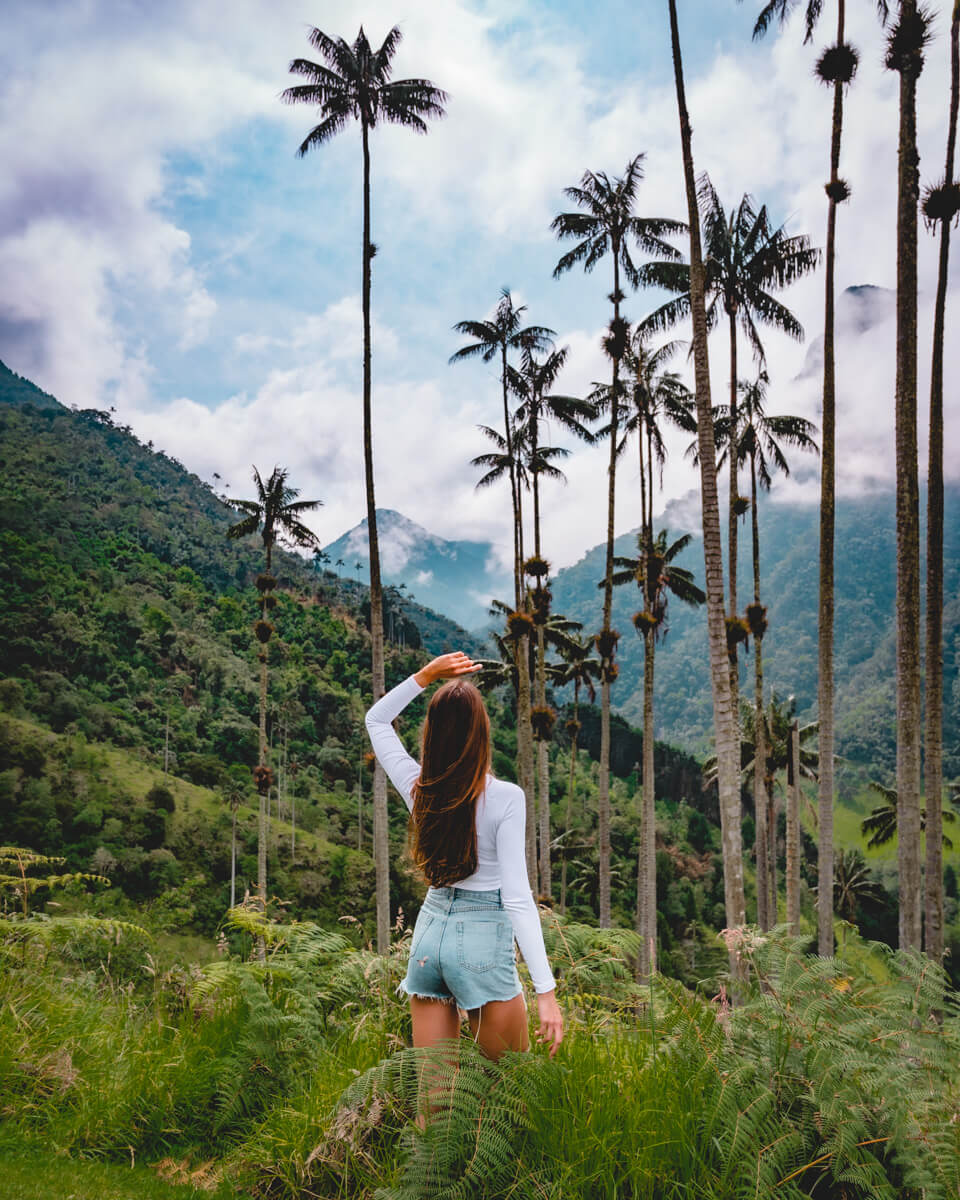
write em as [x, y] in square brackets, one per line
[87, 235]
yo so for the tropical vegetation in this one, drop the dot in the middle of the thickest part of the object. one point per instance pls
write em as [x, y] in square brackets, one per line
[200, 936]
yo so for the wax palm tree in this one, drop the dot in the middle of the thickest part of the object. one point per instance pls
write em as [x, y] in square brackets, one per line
[580, 669]
[353, 82]
[275, 515]
[760, 439]
[606, 224]
[532, 384]
[724, 715]
[493, 340]
[836, 68]
[747, 259]
[940, 206]
[656, 573]
[905, 47]
[656, 397]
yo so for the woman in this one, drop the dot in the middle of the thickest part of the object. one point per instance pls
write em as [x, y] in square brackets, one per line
[468, 839]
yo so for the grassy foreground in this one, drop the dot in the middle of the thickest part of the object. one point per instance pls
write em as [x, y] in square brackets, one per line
[292, 1078]
[32, 1173]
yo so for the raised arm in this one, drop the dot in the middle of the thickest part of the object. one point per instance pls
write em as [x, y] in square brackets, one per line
[391, 753]
[401, 768]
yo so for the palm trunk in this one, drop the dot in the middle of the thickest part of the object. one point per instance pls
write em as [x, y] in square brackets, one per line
[525, 763]
[793, 832]
[766, 900]
[725, 725]
[543, 746]
[908, 512]
[264, 792]
[825, 614]
[647, 862]
[933, 934]
[570, 787]
[381, 849]
[514, 486]
[647, 867]
[603, 789]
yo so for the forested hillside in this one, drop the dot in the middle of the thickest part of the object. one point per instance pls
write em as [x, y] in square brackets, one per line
[129, 702]
[127, 631]
[866, 545]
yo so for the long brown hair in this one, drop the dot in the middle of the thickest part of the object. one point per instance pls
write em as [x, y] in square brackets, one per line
[454, 760]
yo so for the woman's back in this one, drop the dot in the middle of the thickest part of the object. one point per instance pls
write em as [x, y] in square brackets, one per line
[500, 821]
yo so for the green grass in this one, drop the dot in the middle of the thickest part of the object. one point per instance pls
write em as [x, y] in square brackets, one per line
[847, 818]
[34, 1173]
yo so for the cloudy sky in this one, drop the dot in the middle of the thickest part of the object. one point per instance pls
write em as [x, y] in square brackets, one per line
[163, 250]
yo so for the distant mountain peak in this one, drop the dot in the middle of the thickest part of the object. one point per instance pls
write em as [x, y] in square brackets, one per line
[458, 578]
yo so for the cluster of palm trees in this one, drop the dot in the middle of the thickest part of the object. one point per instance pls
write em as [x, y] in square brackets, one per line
[747, 259]
[737, 260]
[909, 34]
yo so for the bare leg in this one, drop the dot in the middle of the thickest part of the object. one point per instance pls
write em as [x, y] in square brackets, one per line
[500, 1025]
[434, 1021]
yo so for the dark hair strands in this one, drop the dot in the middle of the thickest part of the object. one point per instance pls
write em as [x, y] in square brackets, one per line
[454, 761]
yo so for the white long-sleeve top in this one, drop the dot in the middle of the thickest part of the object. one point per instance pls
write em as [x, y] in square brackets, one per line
[501, 829]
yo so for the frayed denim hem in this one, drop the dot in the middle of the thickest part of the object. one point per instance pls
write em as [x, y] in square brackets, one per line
[402, 990]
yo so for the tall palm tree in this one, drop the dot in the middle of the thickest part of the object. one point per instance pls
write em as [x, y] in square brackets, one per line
[494, 339]
[607, 224]
[657, 396]
[724, 715]
[275, 515]
[746, 260]
[532, 385]
[353, 82]
[836, 68]
[759, 442]
[905, 47]
[658, 577]
[940, 205]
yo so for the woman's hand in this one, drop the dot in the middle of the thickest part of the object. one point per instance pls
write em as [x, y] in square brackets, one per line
[550, 1029]
[447, 666]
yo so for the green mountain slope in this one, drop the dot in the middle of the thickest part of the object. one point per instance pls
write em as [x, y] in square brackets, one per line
[866, 545]
[127, 620]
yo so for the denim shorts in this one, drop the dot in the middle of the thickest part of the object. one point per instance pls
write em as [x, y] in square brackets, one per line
[462, 949]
